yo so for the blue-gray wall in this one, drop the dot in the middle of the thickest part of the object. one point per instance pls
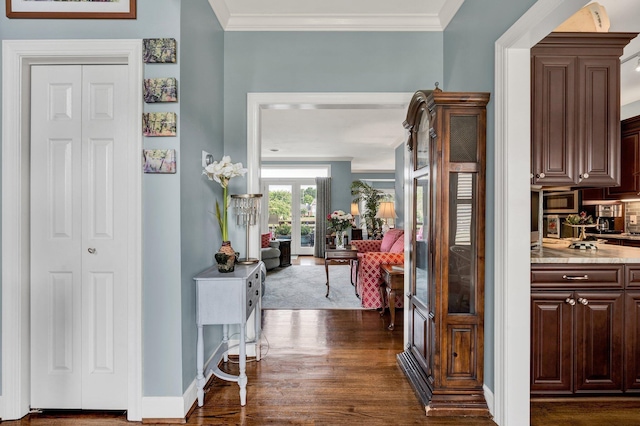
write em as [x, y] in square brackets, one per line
[201, 106]
[399, 185]
[469, 55]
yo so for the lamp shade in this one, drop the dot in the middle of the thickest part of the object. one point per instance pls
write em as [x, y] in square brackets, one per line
[354, 209]
[273, 219]
[386, 210]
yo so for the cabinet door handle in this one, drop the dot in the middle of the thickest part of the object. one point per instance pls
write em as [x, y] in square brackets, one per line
[571, 301]
[584, 176]
[541, 175]
[583, 300]
[570, 278]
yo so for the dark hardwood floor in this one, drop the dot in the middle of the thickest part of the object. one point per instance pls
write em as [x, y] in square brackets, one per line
[337, 367]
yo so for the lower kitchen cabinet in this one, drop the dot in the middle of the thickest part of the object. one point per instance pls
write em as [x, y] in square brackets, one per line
[579, 330]
[576, 341]
[632, 340]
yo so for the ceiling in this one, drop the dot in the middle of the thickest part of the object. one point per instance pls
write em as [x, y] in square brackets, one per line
[367, 135]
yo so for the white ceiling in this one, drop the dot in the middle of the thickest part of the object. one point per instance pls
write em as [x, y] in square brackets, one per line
[368, 134]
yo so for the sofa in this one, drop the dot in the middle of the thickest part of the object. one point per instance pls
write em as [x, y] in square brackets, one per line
[365, 272]
[269, 252]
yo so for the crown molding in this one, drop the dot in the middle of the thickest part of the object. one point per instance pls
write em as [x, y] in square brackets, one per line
[335, 22]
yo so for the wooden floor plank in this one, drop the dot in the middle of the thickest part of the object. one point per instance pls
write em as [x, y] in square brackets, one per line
[337, 367]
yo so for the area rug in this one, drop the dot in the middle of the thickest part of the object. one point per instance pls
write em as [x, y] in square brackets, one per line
[304, 287]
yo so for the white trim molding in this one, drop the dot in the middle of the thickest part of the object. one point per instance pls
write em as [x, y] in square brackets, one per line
[512, 188]
[334, 21]
[18, 56]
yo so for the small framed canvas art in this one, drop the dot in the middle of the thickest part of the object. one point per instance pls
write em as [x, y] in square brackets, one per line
[160, 90]
[159, 123]
[159, 160]
[553, 226]
[159, 50]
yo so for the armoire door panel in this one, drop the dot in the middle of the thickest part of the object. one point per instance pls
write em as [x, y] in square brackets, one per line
[462, 352]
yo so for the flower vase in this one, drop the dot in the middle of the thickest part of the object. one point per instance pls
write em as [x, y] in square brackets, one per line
[226, 257]
[340, 239]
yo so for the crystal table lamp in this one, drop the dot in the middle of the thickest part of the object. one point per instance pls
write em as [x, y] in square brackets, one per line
[246, 207]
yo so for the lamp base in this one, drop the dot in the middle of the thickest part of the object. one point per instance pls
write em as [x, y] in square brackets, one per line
[248, 261]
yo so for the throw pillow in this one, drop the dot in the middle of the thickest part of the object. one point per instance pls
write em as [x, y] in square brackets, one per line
[398, 246]
[264, 239]
[390, 238]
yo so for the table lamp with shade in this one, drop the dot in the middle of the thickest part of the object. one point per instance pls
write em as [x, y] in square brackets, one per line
[386, 211]
[354, 211]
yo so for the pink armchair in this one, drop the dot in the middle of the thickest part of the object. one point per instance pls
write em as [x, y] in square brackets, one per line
[366, 272]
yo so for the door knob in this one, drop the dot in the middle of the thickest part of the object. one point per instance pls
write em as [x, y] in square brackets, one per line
[92, 251]
[570, 301]
[582, 300]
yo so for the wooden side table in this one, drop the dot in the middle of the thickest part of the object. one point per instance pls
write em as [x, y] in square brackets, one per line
[393, 276]
[285, 252]
[334, 256]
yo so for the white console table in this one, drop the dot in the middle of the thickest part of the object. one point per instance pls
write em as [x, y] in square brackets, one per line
[227, 298]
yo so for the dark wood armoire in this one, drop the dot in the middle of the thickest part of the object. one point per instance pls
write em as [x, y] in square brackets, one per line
[445, 353]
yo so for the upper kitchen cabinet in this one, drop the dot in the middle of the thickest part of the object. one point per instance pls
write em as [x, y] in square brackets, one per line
[575, 109]
[629, 161]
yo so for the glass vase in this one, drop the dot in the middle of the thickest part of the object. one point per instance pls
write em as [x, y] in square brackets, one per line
[340, 239]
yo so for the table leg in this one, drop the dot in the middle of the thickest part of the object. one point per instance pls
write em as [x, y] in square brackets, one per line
[383, 293]
[200, 366]
[326, 271]
[225, 340]
[391, 293]
[242, 377]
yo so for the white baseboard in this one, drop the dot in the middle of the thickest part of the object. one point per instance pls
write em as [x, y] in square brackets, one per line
[488, 396]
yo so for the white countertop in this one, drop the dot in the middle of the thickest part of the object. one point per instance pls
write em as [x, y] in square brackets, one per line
[557, 251]
[617, 236]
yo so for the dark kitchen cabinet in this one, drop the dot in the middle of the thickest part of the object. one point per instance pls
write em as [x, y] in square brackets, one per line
[578, 329]
[632, 330]
[629, 161]
[575, 111]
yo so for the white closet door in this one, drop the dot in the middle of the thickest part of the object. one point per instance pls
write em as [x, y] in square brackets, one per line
[78, 253]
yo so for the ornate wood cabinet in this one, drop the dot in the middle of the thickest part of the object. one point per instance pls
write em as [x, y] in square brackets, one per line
[445, 353]
[575, 109]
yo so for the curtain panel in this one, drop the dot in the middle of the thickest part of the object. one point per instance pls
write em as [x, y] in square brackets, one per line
[323, 208]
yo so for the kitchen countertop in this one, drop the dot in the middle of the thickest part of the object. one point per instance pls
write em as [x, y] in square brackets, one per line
[557, 251]
[622, 236]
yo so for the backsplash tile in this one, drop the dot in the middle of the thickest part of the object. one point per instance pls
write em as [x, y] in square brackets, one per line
[632, 209]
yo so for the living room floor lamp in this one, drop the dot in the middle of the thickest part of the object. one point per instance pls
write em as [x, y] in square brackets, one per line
[247, 210]
[386, 211]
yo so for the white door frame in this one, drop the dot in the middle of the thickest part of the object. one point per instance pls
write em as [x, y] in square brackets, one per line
[512, 260]
[259, 101]
[18, 56]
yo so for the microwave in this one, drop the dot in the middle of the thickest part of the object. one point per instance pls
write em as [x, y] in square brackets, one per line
[561, 202]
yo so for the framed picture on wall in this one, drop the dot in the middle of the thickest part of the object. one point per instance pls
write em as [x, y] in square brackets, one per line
[71, 9]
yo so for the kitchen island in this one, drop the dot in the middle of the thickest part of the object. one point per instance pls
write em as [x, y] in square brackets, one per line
[585, 320]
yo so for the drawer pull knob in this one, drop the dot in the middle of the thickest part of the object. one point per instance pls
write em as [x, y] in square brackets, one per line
[250, 284]
[583, 300]
[571, 278]
[571, 301]
[257, 292]
[250, 302]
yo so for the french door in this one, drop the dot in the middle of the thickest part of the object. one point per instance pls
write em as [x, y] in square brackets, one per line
[292, 212]
[78, 237]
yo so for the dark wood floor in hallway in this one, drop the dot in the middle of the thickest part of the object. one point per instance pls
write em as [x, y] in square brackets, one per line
[333, 368]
